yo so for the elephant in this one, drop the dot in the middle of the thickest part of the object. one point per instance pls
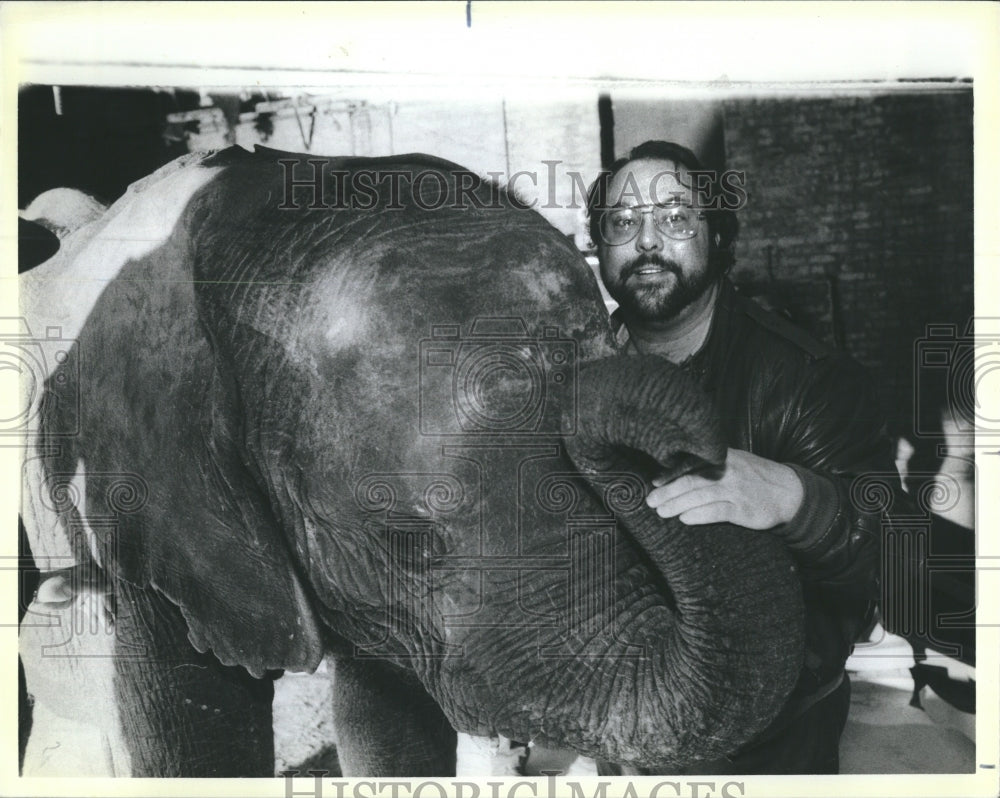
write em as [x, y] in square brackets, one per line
[287, 407]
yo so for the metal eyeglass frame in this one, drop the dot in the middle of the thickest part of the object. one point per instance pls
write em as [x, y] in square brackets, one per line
[650, 209]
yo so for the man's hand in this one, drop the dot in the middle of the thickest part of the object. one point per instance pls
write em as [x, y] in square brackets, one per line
[748, 491]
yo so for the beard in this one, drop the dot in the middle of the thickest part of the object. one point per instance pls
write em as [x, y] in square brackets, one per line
[657, 302]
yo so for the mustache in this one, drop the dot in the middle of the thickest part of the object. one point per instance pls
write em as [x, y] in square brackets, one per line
[650, 259]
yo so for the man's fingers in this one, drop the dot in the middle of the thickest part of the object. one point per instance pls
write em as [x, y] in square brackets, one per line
[687, 501]
[714, 513]
[678, 487]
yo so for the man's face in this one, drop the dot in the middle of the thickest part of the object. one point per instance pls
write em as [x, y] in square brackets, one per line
[655, 277]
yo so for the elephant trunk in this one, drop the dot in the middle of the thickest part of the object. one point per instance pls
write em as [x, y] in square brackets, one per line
[721, 650]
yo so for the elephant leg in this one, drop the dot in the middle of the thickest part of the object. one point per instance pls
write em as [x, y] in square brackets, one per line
[184, 713]
[387, 724]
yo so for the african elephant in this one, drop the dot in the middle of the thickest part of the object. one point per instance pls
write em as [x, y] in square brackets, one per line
[373, 407]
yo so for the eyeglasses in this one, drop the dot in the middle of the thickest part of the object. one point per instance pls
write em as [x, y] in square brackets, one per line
[621, 225]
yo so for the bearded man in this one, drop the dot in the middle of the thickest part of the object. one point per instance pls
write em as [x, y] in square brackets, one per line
[801, 421]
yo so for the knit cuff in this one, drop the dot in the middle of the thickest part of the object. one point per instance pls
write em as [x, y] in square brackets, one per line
[814, 521]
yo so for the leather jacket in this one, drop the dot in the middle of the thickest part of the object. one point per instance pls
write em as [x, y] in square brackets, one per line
[785, 396]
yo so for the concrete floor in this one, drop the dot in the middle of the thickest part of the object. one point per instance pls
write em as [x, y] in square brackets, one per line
[884, 734]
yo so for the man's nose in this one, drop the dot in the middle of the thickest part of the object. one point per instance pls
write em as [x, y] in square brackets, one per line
[650, 239]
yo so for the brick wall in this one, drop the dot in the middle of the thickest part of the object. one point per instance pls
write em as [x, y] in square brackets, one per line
[873, 195]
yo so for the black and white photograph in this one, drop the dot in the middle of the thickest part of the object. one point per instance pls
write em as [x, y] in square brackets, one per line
[500, 400]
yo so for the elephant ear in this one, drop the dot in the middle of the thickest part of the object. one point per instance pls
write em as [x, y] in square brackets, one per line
[644, 413]
[140, 421]
[244, 598]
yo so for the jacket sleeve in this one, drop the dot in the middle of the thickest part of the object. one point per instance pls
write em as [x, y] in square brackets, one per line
[833, 435]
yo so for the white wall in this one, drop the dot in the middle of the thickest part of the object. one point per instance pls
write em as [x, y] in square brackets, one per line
[513, 137]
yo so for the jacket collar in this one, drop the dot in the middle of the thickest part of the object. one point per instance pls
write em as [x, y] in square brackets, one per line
[725, 302]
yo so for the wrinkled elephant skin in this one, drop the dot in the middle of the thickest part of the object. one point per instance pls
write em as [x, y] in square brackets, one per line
[391, 423]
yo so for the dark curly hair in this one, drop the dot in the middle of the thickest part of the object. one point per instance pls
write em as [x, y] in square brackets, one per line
[721, 221]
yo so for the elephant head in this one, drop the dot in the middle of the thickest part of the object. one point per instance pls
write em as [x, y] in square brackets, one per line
[374, 405]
